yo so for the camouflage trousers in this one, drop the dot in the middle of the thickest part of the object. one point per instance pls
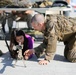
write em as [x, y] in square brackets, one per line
[70, 49]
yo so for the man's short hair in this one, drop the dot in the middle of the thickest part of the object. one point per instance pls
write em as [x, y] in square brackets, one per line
[38, 18]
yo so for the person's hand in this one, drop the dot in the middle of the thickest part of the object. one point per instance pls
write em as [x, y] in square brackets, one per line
[26, 57]
[27, 54]
[43, 62]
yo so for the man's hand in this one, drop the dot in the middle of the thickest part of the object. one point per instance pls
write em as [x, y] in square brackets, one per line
[43, 62]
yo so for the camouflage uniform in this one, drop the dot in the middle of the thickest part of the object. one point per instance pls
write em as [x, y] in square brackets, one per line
[58, 28]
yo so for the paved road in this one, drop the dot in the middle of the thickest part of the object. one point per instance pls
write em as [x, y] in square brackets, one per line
[58, 66]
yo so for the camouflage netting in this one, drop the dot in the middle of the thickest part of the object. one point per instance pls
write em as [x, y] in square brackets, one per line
[25, 4]
[10, 3]
[4, 3]
[40, 4]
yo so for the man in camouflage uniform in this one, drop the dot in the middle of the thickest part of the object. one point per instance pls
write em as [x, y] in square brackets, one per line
[55, 28]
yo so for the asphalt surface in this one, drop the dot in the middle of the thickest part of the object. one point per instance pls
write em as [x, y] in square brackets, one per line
[58, 66]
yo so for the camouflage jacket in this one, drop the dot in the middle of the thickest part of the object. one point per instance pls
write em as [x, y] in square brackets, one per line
[57, 28]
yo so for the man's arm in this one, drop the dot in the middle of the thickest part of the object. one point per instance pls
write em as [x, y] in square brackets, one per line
[51, 48]
[51, 41]
[39, 51]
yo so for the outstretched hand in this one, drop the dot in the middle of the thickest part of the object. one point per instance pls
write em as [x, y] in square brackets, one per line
[27, 53]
